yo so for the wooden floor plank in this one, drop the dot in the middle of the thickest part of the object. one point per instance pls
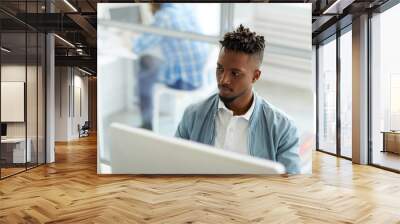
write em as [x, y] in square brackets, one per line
[70, 191]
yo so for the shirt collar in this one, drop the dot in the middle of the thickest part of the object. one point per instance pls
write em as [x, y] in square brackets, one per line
[247, 115]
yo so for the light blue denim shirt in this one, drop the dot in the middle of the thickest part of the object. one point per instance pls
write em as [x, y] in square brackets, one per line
[272, 134]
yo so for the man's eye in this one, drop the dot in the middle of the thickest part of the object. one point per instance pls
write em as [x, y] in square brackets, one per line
[236, 74]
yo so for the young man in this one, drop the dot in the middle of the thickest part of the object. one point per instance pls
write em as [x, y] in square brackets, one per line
[184, 59]
[236, 119]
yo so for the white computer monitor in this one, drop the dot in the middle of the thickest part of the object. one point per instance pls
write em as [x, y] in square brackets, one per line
[138, 151]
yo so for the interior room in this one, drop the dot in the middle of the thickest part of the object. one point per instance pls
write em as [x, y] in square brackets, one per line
[287, 82]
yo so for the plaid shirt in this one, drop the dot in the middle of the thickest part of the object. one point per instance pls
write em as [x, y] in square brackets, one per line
[185, 59]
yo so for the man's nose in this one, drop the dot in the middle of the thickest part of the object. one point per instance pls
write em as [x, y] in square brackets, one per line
[224, 79]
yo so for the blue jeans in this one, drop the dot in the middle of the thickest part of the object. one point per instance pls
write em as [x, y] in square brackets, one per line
[147, 78]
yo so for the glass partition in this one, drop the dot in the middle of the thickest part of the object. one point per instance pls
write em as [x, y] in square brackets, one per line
[22, 67]
[14, 153]
[327, 96]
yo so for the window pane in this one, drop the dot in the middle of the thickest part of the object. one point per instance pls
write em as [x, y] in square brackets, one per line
[327, 96]
[386, 89]
[346, 94]
[171, 16]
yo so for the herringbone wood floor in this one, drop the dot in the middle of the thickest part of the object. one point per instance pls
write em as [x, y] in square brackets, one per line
[70, 191]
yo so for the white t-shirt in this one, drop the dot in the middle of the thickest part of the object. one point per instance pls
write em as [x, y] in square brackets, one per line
[232, 131]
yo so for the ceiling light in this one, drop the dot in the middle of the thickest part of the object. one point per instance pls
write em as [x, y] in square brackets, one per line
[86, 72]
[70, 5]
[79, 51]
[64, 40]
[337, 7]
[5, 50]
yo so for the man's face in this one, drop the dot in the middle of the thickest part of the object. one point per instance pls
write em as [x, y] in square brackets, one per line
[236, 72]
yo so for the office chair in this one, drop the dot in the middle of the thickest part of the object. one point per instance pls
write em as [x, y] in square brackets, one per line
[84, 130]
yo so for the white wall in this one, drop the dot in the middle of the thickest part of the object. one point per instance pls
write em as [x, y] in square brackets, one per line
[67, 114]
[10, 73]
[79, 117]
[33, 126]
[14, 73]
[61, 103]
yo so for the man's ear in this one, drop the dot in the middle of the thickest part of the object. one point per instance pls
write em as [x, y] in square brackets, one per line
[256, 76]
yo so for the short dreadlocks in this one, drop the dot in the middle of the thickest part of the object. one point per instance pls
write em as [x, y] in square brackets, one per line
[243, 40]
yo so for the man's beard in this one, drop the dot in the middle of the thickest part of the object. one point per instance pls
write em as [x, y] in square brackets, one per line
[227, 100]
